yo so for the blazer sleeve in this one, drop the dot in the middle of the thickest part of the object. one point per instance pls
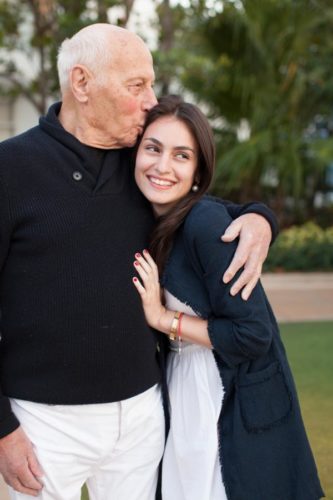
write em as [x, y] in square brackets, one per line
[235, 210]
[239, 330]
[8, 421]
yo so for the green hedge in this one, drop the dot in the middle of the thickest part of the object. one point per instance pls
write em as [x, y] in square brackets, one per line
[302, 248]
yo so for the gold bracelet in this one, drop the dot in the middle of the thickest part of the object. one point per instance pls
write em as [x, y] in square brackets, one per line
[174, 326]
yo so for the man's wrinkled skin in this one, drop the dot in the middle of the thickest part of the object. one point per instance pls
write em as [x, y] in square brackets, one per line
[251, 251]
[18, 463]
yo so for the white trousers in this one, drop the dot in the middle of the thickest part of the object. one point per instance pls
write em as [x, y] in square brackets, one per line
[114, 448]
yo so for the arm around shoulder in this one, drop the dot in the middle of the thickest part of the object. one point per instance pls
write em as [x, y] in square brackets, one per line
[236, 210]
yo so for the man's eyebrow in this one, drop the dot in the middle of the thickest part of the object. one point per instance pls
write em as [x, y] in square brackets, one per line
[141, 78]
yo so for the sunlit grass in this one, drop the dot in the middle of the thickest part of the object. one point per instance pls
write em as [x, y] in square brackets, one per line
[310, 351]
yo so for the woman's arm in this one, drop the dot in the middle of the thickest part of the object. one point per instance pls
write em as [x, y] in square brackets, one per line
[239, 330]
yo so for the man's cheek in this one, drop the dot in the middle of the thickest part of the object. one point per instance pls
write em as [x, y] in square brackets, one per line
[130, 106]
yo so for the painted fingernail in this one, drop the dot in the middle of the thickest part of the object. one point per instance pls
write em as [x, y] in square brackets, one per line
[137, 255]
[146, 251]
[136, 263]
[135, 280]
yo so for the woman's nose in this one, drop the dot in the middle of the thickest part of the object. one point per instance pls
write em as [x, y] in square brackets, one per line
[163, 165]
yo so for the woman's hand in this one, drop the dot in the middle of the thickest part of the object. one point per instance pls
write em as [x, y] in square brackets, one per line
[194, 329]
[156, 314]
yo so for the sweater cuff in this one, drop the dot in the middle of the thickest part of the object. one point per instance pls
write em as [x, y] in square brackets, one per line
[8, 421]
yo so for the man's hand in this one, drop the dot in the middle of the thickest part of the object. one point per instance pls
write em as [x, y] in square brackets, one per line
[18, 463]
[254, 238]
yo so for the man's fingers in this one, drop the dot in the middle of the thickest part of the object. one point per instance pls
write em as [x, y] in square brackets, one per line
[232, 231]
[35, 466]
[27, 478]
[18, 486]
[240, 283]
[235, 265]
[245, 285]
[247, 280]
[248, 289]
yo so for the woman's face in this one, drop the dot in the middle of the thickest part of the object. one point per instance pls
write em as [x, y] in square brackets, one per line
[166, 163]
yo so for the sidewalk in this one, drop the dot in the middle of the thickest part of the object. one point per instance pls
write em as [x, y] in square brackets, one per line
[294, 297]
[300, 296]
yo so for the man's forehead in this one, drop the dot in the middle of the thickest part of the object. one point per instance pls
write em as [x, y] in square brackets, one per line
[134, 67]
[140, 74]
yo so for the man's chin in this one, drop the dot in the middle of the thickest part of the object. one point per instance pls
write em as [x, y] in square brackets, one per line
[130, 142]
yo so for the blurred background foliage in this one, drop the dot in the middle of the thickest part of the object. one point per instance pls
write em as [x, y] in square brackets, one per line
[302, 248]
[262, 71]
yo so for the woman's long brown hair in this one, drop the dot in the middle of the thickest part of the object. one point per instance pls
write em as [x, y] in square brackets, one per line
[167, 225]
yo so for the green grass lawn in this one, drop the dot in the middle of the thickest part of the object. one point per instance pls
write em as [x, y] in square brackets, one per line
[310, 352]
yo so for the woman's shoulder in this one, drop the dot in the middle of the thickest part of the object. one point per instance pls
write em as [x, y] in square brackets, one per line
[207, 216]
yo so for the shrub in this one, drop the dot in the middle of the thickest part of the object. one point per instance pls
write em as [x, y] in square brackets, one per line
[302, 248]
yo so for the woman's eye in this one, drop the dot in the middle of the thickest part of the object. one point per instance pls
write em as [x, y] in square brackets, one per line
[182, 156]
[152, 147]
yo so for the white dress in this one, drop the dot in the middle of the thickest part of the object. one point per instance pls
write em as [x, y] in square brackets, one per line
[191, 467]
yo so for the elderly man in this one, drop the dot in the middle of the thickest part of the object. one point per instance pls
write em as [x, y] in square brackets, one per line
[78, 368]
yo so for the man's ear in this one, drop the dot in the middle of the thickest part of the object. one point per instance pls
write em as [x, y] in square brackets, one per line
[80, 77]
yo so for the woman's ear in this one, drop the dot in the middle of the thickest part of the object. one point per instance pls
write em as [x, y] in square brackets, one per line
[80, 77]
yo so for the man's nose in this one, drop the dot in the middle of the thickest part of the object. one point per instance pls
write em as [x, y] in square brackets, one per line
[149, 99]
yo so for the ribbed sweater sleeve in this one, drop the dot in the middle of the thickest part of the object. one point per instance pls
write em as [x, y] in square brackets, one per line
[8, 421]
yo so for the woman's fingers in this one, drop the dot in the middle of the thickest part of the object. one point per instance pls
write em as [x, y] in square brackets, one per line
[138, 285]
[147, 263]
[151, 262]
[142, 261]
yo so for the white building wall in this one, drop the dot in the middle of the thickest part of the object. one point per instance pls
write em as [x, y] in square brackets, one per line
[16, 116]
[6, 118]
[24, 115]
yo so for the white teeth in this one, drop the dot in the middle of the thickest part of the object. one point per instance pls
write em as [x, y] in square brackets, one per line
[160, 182]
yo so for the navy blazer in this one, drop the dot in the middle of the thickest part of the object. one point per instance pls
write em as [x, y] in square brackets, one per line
[264, 450]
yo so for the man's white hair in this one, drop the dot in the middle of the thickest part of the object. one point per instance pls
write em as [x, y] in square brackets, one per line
[87, 47]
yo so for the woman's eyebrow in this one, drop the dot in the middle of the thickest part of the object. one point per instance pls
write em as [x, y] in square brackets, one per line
[152, 139]
[159, 143]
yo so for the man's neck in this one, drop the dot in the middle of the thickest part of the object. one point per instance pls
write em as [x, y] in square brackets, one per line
[78, 125]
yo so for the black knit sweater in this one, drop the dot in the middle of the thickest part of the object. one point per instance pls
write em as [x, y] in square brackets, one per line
[72, 325]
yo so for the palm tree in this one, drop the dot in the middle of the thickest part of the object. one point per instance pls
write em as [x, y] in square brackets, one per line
[265, 68]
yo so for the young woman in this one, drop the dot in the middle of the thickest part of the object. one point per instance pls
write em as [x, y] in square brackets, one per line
[236, 429]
